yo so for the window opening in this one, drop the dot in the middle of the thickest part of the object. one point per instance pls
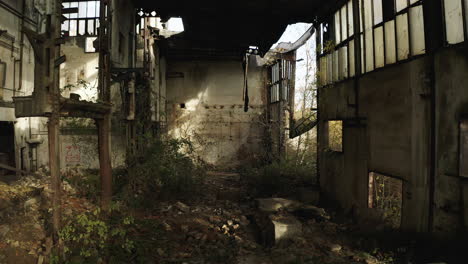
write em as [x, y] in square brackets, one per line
[85, 22]
[335, 135]
[386, 195]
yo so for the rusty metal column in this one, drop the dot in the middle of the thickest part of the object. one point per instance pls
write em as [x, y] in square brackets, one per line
[53, 73]
[104, 124]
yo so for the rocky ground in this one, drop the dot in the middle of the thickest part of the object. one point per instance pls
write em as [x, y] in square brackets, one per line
[220, 225]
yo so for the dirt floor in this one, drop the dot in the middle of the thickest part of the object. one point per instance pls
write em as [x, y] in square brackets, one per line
[222, 224]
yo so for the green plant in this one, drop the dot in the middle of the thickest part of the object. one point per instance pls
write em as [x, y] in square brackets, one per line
[90, 237]
[85, 182]
[165, 169]
[280, 178]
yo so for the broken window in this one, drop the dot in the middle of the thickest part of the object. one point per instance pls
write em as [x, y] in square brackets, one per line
[385, 195]
[390, 44]
[402, 4]
[89, 46]
[85, 22]
[335, 135]
[337, 27]
[350, 18]
[390, 31]
[344, 23]
[369, 49]
[379, 47]
[402, 36]
[418, 45]
[378, 12]
[454, 21]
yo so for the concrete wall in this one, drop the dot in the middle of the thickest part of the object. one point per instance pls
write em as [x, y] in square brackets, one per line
[451, 192]
[392, 138]
[214, 118]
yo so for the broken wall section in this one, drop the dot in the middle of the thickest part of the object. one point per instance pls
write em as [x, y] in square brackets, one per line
[205, 105]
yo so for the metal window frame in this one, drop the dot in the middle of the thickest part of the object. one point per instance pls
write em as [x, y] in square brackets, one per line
[86, 19]
[361, 33]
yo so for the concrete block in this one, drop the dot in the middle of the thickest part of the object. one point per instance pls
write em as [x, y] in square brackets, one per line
[272, 205]
[285, 227]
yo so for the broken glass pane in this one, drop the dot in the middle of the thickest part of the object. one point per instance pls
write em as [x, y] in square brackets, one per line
[91, 12]
[89, 44]
[73, 28]
[379, 47]
[390, 48]
[369, 50]
[81, 27]
[74, 15]
[453, 21]
[368, 22]
[337, 28]
[344, 23]
[65, 25]
[402, 4]
[82, 9]
[351, 19]
[417, 30]
[361, 21]
[378, 15]
[402, 36]
[352, 68]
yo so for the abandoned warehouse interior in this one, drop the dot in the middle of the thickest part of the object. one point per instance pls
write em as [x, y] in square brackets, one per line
[89, 85]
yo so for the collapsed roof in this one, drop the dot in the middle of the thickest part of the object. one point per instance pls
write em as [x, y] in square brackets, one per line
[228, 28]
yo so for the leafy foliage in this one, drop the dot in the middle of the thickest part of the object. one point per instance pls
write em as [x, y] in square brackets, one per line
[164, 170]
[280, 178]
[92, 236]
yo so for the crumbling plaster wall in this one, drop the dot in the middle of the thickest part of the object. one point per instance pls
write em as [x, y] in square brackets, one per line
[214, 117]
[25, 128]
[392, 138]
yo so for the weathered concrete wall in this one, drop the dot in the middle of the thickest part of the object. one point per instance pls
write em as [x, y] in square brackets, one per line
[451, 75]
[392, 138]
[213, 116]
[82, 151]
[10, 53]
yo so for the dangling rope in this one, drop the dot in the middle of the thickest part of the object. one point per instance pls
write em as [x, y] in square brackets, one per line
[245, 95]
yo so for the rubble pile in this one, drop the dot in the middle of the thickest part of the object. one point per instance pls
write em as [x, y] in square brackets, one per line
[221, 225]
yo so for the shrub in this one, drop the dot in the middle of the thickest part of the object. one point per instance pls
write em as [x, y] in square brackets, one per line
[279, 178]
[92, 236]
[165, 170]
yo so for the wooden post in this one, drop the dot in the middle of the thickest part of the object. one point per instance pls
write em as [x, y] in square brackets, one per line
[104, 124]
[104, 161]
[53, 73]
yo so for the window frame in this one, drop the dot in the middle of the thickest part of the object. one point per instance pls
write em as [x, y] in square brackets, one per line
[76, 18]
[361, 33]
